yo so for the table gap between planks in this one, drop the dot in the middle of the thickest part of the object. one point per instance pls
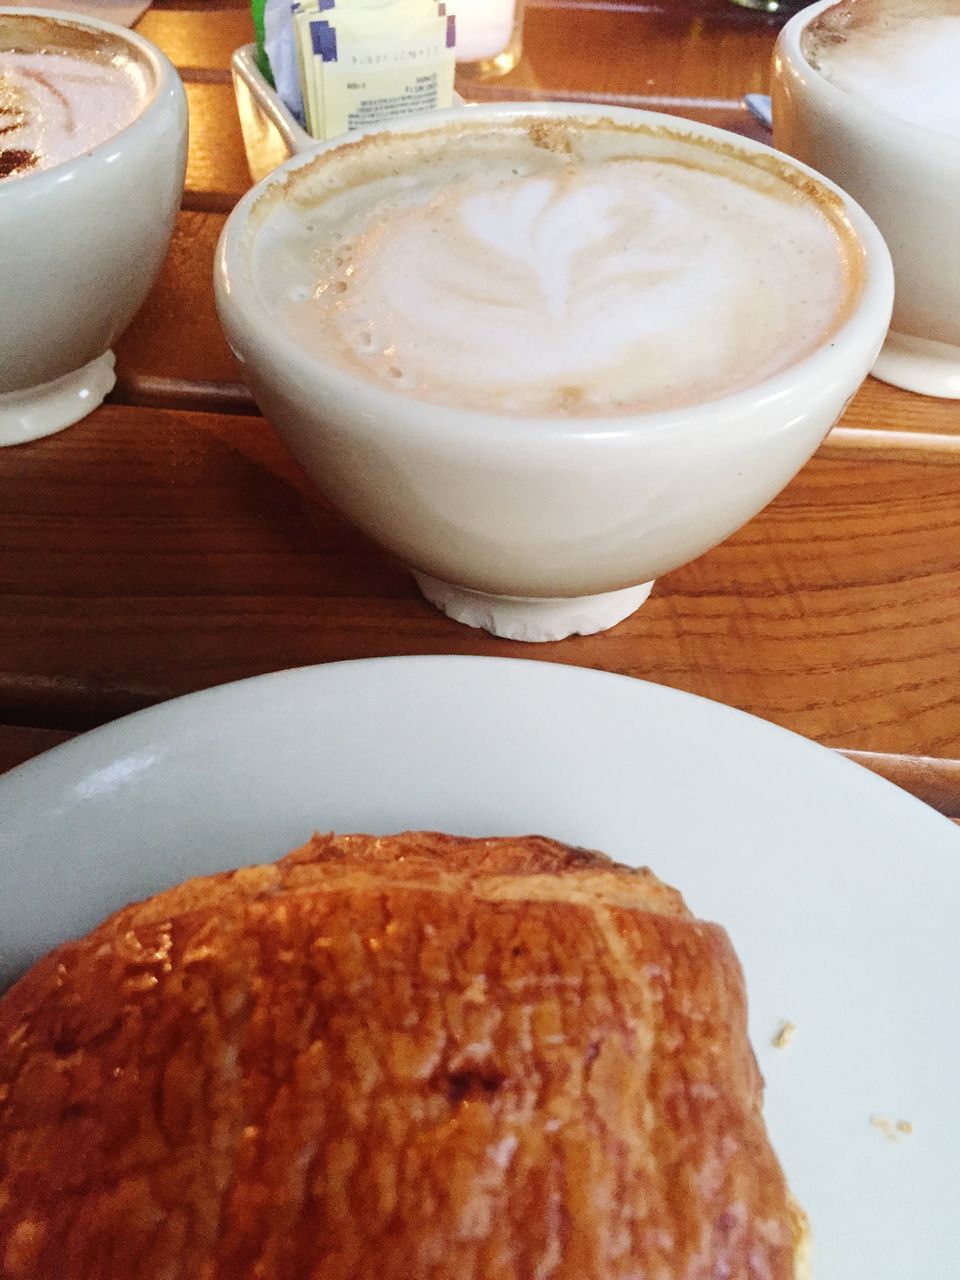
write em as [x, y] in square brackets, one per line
[169, 542]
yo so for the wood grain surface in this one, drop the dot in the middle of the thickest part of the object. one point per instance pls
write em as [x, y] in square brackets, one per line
[208, 557]
[168, 542]
[217, 173]
[177, 334]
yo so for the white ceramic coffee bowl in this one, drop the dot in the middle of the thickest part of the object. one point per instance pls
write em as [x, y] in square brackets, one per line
[908, 180]
[81, 244]
[537, 528]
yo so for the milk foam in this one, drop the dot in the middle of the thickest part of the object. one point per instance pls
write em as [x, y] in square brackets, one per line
[902, 56]
[54, 106]
[496, 274]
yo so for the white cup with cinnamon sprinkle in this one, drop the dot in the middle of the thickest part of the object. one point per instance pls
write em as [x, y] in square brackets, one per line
[93, 132]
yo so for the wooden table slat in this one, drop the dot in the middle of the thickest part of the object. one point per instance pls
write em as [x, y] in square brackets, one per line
[836, 612]
[201, 36]
[217, 173]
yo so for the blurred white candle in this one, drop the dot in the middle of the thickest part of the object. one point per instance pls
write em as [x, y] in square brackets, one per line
[484, 27]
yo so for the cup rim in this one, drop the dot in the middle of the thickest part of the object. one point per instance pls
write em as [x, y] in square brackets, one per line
[790, 45]
[33, 185]
[236, 293]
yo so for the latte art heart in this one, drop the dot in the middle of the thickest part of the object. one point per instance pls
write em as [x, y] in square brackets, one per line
[533, 283]
[543, 224]
[547, 284]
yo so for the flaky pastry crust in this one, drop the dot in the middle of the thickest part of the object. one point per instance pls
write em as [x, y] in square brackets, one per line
[411, 1058]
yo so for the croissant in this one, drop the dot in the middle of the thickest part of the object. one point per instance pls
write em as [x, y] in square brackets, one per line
[417, 1057]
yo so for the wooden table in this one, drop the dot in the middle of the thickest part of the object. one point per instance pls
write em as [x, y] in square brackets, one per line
[168, 542]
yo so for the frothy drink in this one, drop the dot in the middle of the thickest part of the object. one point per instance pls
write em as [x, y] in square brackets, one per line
[64, 89]
[543, 266]
[902, 56]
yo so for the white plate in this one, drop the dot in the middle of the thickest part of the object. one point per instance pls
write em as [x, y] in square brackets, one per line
[841, 893]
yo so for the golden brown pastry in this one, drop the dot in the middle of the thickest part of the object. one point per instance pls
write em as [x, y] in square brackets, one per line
[412, 1058]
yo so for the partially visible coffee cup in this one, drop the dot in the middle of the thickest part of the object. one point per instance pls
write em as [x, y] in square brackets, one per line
[867, 92]
[545, 354]
[93, 125]
[63, 91]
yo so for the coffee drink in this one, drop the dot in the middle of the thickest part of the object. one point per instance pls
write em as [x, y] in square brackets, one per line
[901, 56]
[93, 125]
[553, 267]
[459, 325]
[63, 90]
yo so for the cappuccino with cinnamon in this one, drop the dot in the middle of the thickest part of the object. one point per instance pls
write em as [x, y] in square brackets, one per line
[538, 266]
[64, 89]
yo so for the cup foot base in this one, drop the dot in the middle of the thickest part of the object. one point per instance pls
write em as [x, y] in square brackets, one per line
[918, 364]
[532, 618]
[34, 412]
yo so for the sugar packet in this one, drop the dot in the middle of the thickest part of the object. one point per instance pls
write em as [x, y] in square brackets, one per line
[343, 64]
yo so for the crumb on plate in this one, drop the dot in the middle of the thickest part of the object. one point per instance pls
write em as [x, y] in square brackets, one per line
[784, 1034]
[893, 1131]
